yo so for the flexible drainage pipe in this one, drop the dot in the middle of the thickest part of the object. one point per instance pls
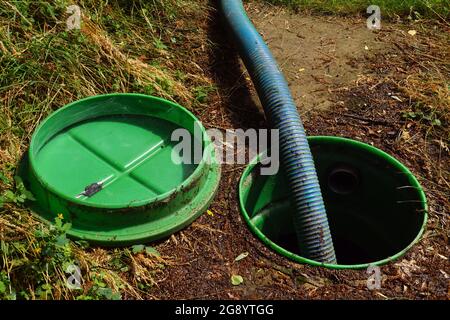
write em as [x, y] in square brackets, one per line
[310, 219]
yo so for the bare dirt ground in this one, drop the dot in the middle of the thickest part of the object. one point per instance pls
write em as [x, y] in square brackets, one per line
[315, 53]
[342, 88]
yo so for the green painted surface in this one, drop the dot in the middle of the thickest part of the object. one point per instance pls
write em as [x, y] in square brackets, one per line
[131, 155]
[123, 143]
[376, 223]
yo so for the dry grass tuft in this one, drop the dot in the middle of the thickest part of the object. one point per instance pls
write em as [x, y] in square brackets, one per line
[144, 73]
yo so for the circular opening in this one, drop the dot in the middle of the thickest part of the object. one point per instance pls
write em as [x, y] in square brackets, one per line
[343, 180]
[376, 208]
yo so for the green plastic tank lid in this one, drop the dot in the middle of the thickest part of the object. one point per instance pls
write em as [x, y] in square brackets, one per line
[105, 163]
[376, 208]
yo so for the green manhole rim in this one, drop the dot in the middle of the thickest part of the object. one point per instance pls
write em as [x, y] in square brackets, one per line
[188, 181]
[297, 258]
[204, 179]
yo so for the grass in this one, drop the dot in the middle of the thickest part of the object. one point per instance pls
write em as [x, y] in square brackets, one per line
[390, 8]
[122, 46]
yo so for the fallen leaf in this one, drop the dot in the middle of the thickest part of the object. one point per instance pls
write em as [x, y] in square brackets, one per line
[408, 267]
[138, 248]
[442, 145]
[412, 32]
[236, 279]
[397, 98]
[152, 251]
[243, 255]
[210, 213]
[405, 135]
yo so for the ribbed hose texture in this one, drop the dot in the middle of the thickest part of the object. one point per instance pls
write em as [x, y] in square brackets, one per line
[310, 218]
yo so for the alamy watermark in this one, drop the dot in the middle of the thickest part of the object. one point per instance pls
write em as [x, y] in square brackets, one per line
[374, 20]
[73, 282]
[74, 20]
[232, 146]
[374, 280]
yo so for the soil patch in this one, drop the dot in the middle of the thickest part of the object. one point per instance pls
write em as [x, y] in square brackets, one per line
[346, 91]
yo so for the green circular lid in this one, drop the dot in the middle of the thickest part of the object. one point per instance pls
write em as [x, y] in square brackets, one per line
[376, 208]
[109, 166]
